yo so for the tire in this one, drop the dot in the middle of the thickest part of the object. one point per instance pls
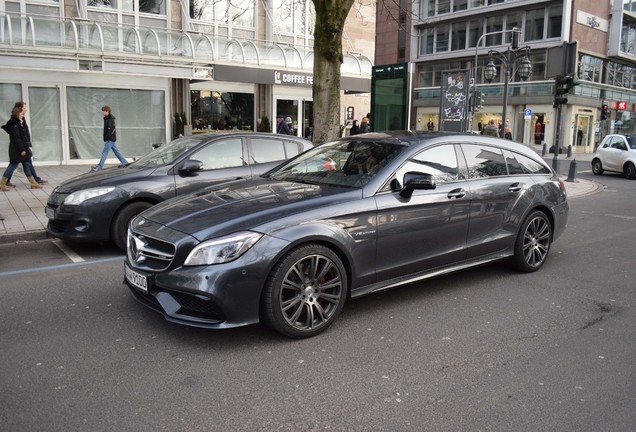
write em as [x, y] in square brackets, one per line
[305, 292]
[122, 218]
[533, 243]
[597, 167]
[629, 170]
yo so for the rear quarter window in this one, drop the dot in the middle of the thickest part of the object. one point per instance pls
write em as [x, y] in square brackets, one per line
[531, 166]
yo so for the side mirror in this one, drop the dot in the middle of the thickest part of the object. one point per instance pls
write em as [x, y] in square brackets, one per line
[156, 146]
[190, 166]
[416, 180]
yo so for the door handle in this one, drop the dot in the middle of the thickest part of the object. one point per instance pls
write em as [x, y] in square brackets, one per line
[456, 193]
[515, 187]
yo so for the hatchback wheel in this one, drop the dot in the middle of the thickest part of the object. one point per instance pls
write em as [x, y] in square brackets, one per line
[121, 219]
[305, 292]
[533, 242]
[597, 167]
[630, 171]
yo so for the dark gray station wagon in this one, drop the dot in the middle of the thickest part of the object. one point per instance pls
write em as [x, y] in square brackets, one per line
[344, 219]
[97, 206]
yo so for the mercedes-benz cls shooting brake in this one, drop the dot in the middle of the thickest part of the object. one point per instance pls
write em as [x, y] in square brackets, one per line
[345, 219]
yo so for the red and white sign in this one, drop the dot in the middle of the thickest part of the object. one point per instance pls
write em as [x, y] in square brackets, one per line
[621, 105]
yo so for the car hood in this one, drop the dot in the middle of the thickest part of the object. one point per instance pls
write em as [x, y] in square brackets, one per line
[243, 205]
[114, 176]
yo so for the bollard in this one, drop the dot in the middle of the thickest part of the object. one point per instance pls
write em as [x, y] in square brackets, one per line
[569, 152]
[544, 150]
[572, 172]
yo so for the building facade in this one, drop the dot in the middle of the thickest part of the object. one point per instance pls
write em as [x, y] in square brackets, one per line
[165, 67]
[449, 35]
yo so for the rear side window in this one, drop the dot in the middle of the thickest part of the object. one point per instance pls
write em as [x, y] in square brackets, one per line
[531, 166]
[292, 149]
[267, 150]
[484, 161]
[514, 167]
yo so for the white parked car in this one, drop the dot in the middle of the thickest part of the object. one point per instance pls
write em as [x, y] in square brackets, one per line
[616, 153]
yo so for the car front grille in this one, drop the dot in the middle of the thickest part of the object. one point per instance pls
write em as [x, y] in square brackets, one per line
[58, 226]
[148, 253]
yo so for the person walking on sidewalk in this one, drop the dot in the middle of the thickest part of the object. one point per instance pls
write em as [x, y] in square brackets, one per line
[19, 147]
[110, 138]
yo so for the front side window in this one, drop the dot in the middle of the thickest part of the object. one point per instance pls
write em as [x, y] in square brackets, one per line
[484, 161]
[440, 162]
[225, 153]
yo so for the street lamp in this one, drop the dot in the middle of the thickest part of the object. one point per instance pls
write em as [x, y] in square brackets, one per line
[509, 59]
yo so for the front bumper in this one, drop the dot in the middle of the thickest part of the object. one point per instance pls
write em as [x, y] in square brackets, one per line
[214, 296]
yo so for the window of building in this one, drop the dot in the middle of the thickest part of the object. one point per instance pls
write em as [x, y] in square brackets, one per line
[426, 41]
[214, 110]
[140, 114]
[155, 7]
[458, 41]
[460, 5]
[534, 25]
[555, 19]
[494, 24]
[296, 18]
[441, 38]
[235, 12]
[475, 30]
[590, 68]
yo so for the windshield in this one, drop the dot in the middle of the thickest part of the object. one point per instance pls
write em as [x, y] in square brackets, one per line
[166, 154]
[340, 163]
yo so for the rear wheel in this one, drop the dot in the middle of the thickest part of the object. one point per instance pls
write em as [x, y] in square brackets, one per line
[305, 292]
[121, 220]
[533, 242]
[630, 171]
[597, 167]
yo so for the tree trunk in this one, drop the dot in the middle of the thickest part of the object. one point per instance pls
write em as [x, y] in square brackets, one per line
[330, 20]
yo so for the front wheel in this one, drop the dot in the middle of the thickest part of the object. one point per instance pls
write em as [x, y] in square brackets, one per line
[533, 243]
[305, 292]
[630, 171]
[597, 167]
[121, 220]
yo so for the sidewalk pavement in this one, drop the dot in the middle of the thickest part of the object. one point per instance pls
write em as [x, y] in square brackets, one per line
[23, 208]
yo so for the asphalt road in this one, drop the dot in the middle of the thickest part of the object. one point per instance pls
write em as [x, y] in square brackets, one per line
[487, 349]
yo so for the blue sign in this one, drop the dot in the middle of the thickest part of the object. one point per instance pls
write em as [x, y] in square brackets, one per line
[527, 112]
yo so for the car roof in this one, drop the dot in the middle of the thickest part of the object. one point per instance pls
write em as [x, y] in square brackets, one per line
[406, 137]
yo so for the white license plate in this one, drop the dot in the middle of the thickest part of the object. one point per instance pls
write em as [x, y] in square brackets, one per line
[137, 279]
[49, 212]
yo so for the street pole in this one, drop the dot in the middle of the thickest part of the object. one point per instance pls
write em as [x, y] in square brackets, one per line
[507, 66]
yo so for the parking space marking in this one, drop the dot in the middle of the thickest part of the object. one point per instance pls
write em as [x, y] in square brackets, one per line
[67, 251]
[620, 216]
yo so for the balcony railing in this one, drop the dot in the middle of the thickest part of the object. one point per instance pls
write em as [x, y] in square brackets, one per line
[49, 36]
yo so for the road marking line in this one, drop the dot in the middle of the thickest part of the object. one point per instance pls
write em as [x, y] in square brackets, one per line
[67, 251]
[620, 216]
[60, 266]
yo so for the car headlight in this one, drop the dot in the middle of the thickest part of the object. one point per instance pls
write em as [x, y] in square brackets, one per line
[76, 198]
[223, 249]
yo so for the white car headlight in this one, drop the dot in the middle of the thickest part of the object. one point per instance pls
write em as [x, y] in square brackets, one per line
[76, 198]
[223, 249]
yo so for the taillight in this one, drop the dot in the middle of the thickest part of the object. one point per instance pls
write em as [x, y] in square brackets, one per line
[562, 187]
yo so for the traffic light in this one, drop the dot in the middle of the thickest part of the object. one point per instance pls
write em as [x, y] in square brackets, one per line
[562, 86]
[477, 100]
[604, 111]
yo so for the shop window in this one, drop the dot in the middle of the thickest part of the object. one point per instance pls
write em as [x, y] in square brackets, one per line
[140, 118]
[214, 111]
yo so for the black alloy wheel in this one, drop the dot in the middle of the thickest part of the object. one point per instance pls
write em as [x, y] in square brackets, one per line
[305, 292]
[597, 167]
[630, 171]
[533, 242]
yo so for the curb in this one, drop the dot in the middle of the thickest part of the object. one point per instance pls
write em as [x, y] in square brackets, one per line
[25, 236]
